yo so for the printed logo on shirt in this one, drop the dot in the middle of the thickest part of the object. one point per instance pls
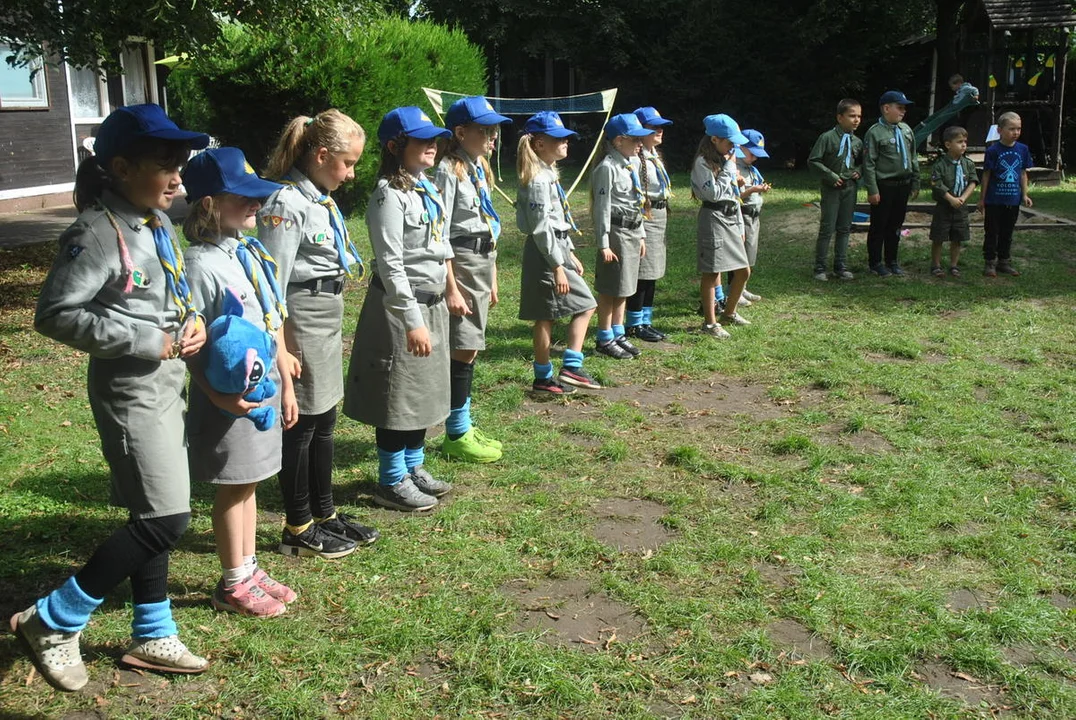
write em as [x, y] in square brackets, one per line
[601, 191]
[272, 220]
[74, 251]
[139, 278]
[540, 207]
[381, 201]
[320, 238]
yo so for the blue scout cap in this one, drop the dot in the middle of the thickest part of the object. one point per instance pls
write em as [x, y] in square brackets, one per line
[755, 143]
[409, 121]
[650, 116]
[473, 110]
[722, 126]
[625, 124]
[127, 124]
[548, 123]
[224, 170]
[894, 96]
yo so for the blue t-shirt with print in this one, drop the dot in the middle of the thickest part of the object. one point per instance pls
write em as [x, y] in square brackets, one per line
[1006, 166]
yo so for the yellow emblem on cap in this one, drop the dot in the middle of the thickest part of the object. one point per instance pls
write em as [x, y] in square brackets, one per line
[488, 106]
[761, 142]
[657, 114]
[425, 117]
[246, 166]
[556, 121]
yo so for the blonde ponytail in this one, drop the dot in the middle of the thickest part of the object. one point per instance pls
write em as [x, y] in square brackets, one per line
[528, 164]
[304, 135]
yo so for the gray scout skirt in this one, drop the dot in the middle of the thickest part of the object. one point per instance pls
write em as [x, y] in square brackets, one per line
[388, 387]
[474, 273]
[652, 267]
[138, 406]
[314, 331]
[225, 450]
[750, 242]
[720, 247]
[620, 278]
[538, 298]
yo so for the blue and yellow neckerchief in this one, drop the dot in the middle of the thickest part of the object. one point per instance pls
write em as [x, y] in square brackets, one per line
[345, 249]
[261, 270]
[664, 182]
[637, 186]
[435, 206]
[175, 279]
[566, 207]
[756, 176]
[485, 202]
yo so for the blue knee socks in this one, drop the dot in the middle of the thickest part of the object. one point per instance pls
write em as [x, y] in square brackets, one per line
[391, 466]
[572, 360]
[413, 457]
[67, 608]
[459, 421]
[636, 317]
[543, 371]
[618, 331]
[648, 315]
[719, 293]
[153, 620]
[605, 336]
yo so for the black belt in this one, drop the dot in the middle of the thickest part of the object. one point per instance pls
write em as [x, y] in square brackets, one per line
[659, 204]
[422, 297]
[480, 245]
[622, 222]
[332, 286]
[893, 182]
[725, 208]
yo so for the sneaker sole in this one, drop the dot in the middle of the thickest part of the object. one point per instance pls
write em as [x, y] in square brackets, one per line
[138, 662]
[401, 507]
[296, 551]
[224, 606]
[482, 460]
[579, 383]
[41, 669]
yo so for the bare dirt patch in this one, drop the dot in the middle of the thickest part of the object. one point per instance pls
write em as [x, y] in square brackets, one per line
[630, 525]
[864, 441]
[1014, 365]
[1021, 654]
[966, 599]
[1060, 600]
[798, 642]
[886, 358]
[571, 614]
[960, 686]
[779, 577]
[882, 398]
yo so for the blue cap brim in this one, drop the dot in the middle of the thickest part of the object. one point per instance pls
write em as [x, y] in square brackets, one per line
[658, 122]
[429, 133]
[197, 140]
[739, 139]
[756, 151]
[252, 186]
[491, 119]
[559, 132]
[641, 132]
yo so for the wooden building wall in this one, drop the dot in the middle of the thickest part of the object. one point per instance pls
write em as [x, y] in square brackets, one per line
[35, 145]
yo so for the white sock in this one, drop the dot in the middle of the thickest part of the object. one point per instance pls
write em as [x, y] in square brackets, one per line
[250, 562]
[234, 576]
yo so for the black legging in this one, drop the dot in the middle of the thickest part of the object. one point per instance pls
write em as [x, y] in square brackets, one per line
[306, 472]
[644, 295]
[138, 550]
[397, 440]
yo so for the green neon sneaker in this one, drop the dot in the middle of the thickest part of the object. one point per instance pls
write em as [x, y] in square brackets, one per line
[486, 439]
[468, 448]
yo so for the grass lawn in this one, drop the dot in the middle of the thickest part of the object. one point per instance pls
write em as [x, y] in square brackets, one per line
[861, 506]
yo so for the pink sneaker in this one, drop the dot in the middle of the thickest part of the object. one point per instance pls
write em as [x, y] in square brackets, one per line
[272, 588]
[246, 598]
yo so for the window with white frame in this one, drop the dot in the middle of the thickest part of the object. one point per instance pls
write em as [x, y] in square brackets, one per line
[22, 86]
[88, 94]
[135, 82]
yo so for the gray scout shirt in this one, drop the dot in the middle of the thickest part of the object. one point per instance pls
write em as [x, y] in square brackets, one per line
[406, 253]
[540, 215]
[754, 200]
[463, 214]
[716, 188]
[614, 194]
[298, 233]
[83, 303]
[653, 183]
[212, 270]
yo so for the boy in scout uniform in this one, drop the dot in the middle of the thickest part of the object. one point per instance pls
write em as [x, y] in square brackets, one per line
[398, 377]
[837, 158]
[473, 227]
[304, 231]
[952, 181]
[891, 173]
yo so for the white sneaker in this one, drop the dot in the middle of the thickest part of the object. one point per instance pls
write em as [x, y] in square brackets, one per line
[167, 654]
[821, 277]
[747, 295]
[733, 319]
[744, 301]
[55, 654]
[716, 331]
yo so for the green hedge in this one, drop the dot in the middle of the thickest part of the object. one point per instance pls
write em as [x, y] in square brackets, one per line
[246, 88]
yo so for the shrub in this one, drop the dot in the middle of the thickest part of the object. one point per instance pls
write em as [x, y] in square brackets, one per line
[252, 82]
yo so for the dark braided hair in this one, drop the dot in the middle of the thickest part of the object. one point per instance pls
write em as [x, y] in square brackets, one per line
[644, 179]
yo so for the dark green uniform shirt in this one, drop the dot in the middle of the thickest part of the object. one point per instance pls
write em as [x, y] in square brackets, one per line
[943, 177]
[884, 160]
[829, 163]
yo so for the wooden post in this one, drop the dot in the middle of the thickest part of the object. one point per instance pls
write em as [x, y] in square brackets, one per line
[1063, 57]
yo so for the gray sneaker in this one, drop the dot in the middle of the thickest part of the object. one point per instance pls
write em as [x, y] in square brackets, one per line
[715, 331]
[821, 276]
[55, 654]
[404, 496]
[428, 484]
[843, 274]
[750, 296]
[733, 319]
[164, 654]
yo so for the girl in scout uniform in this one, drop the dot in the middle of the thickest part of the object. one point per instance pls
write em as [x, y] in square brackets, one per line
[619, 209]
[118, 292]
[720, 225]
[472, 227]
[751, 193]
[301, 226]
[224, 195]
[551, 279]
[640, 306]
[398, 377]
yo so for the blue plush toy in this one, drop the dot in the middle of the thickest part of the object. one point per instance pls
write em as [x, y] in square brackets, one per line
[237, 358]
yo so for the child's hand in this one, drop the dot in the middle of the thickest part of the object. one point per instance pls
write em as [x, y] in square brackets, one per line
[955, 202]
[874, 199]
[233, 403]
[608, 256]
[560, 281]
[839, 183]
[982, 204]
[193, 338]
[290, 364]
[289, 408]
[914, 195]
[578, 265]
[855, 176]
[765, 187]
[457, 304]
[1027, 201]
[419, 343]
[494, 295]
